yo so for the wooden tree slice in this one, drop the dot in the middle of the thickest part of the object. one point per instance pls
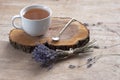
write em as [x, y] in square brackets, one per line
[76, 35]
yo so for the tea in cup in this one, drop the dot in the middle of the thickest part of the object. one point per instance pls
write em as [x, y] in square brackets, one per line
[35, 19]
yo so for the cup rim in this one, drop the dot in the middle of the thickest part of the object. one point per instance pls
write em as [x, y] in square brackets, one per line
[41, 6]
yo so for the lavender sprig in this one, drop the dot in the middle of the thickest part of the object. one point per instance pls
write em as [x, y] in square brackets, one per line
[44, 55]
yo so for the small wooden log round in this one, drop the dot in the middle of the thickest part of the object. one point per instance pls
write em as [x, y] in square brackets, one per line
[76, 35]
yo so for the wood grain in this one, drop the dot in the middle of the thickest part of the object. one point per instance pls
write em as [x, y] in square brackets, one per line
[76, 35]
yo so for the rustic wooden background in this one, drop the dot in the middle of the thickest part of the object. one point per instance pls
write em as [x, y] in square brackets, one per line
[17, 65]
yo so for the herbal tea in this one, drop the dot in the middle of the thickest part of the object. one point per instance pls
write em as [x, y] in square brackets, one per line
[35, 19]
[36, 13]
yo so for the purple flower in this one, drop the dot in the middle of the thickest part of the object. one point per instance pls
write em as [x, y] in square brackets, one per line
[44, 55]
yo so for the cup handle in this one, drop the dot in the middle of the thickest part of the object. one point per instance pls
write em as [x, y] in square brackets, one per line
[13, 21]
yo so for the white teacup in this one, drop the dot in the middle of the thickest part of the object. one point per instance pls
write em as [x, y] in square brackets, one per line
[35, 19]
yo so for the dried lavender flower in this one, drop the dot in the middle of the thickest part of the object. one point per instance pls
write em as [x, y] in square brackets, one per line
[44, 55]
[72, 66]
[47, 57]
[85, 24]
[89, 65]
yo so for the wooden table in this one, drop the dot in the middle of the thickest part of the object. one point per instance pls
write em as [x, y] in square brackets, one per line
[103, 17]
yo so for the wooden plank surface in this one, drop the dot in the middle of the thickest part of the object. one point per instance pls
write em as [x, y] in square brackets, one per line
[17, 65]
